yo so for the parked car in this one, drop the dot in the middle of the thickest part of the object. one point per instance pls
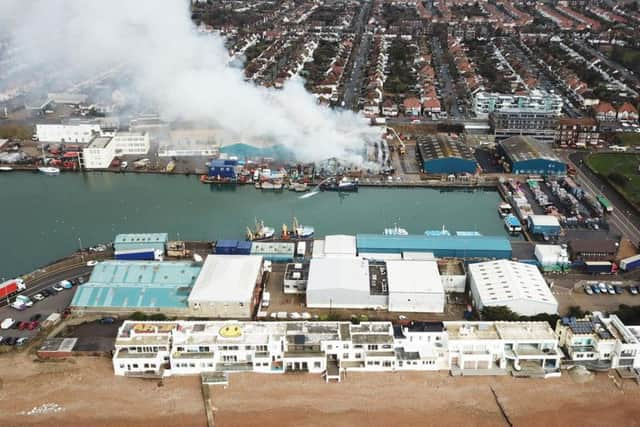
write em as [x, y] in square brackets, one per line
[7, 323]
[611, 290]
[602, 287]
[46, 293]
[21, 341]
[595, 289]
[588, 290]
[39, 297]
[107, 320]
[33, 325]
[92, 263]
[35, 317]
[618, 289]
[633, 290]
[10, 341]
[23, 325]
[58, 288]
[66, 284]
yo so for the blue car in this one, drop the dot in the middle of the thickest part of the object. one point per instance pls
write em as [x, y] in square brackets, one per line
[596, 289]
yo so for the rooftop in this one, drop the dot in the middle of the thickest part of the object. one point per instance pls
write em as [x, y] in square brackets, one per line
[417, 242]
[471, 330]
[525, 331]
[227, 278]
[141, 238]
[522, 148]
[138, 284]
[99, 142]
[441, 146]
[339, 273]
[414, 277]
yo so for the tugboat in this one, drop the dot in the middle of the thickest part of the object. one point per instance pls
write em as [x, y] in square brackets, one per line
[344, 185]
[395, 231]
[261, 232]
[297, 231]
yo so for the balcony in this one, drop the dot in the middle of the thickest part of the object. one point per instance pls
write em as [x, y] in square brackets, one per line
[193, 355]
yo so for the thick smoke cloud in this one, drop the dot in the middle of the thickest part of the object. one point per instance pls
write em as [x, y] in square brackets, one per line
[183, 73]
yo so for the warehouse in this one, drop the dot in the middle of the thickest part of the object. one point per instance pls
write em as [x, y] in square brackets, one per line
[467, 247]
[526, 155]
[226, 287]
[415, 286]
[544, 225]
[129, 286]
[440, 154]
[593, 249]
[338, 245]
[520, 287]
[342, 282]
[140, 246]
[552, 257]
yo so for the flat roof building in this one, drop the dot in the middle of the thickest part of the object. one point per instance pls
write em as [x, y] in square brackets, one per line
[468, 247]
[593, 249]
[227, 286]
[415, 286]
[440, 154]
[128, 286]
[337, 245]
[520, 287]
[525, 155]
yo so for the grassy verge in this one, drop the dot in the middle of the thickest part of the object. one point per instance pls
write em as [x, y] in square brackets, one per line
[621, 171]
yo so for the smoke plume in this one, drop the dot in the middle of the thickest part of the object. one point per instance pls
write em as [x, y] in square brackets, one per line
[184, 74]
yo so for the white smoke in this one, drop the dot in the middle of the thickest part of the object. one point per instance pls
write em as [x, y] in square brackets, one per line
[183, 73]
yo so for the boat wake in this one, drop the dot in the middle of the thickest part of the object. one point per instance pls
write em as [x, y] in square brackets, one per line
[310, 194]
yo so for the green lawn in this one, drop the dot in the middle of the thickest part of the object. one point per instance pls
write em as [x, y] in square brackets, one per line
[625, 164]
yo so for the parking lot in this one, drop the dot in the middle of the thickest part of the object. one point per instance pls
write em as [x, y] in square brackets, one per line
[606, 302]
[57, 302]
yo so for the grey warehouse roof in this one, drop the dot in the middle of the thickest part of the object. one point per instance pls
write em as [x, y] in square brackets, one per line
[521, 148]
[440, 147]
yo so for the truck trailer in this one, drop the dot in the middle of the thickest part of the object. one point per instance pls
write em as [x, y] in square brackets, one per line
[630, 263]
[11, 287]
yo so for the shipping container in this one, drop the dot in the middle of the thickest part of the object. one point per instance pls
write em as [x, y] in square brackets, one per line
[243, 248]
[226, 247]
[598, 267]
[630, 263]
[301, 249]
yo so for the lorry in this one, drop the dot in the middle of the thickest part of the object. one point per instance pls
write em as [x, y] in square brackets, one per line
[630, 263]
[598, 267]
[11, 287]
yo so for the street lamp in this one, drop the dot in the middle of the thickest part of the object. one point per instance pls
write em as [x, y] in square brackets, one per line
[81, 250]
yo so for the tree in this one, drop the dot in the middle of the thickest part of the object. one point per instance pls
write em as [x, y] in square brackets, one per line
[617, 178]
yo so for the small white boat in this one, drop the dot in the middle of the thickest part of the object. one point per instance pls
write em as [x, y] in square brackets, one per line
[49, 170]
[6, 168]
[395, 231]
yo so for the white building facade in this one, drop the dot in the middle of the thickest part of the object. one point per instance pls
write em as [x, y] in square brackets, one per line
[485, 103]
[102, 150]
[81, 133]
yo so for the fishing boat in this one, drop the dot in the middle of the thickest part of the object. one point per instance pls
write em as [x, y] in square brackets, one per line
[270, 184]
[49, 170]
[299, 187]
[512, 224]
[6, 168]
[297, 231]
[504, 209]
[260, 232]
[343, 185]
[395, 231]
[206, 179]
[436, 233]
[171, 166]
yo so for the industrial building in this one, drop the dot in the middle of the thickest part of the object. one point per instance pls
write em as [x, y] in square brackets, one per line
[415, 286]
[526, 155]
[127, 286]
[343, 282]
[593, 249]
[466, 247]
[274, 251]
[520, 287]
[540, 125]
[552, 257]
[103, 149]
[338, 245]
[452, 274]
[80, 133]
[296, 276]
[544, 225]
[227, 287]
[140, 246]
[440, 154]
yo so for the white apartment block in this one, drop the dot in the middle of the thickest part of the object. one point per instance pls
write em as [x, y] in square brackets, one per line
[103, 149]
[600, 342]
[485, 103]
[157, 349]
[81, 133]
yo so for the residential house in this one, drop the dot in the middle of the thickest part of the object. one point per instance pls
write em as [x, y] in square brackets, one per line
[605, 112]
[627, 113]
[412, 107]
[389, 108]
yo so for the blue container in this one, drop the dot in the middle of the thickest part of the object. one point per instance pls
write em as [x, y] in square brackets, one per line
[243, 248]
[226, 247]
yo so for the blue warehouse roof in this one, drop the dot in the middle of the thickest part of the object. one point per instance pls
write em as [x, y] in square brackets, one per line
[441, 246]
[138, 284]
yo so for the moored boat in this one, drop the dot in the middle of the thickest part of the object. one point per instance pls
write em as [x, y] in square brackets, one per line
[395, 231]
[512, 224]
[299, 187]
[504, 209]
[6, 168]
[260, 232]
[297, 230]
[49, 170]
[343, 185]
[270, 184]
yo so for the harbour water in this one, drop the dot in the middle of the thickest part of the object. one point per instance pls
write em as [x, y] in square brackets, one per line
[45, 218]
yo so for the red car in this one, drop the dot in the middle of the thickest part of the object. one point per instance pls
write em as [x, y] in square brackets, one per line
[33, 325]
[23, 325]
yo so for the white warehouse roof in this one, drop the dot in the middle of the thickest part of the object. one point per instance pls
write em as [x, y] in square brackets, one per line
[340, 245]
[414, 277]
[544, 220]
[338, 273]
[227, 278]
[521, 287]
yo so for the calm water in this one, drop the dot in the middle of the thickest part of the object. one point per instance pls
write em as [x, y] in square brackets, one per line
[43, 217]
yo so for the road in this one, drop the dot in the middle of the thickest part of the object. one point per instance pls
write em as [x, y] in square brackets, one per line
[353, 83]
[448, 94]
[623, 72]
[623, 217]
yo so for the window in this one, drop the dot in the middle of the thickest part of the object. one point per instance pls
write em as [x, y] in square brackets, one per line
[372, 346]
[316, 364]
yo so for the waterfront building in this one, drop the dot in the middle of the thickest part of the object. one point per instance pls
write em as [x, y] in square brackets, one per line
[415, 286]
[160, 349]
[103, 149]
[296, 276]
[228, 286]
[599, 342]
[517, 286]
[140, 246]
[525, 155]
[80, 133]
[581, 132]
[464, 247]
[593, 249]
[544, 225]
[485, 103]
[124, 287]
[335, 246]
[497, 348]
[440, 154]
